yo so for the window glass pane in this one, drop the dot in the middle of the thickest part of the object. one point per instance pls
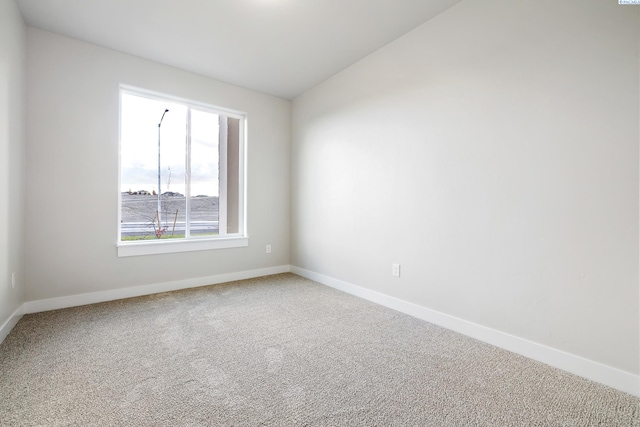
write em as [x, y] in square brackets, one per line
[205, 183]
[144, 213]
[173, 145]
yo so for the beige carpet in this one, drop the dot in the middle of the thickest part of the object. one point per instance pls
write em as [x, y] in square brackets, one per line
[279, 350]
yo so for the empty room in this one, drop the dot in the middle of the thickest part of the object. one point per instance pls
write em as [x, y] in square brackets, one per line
[320, 212]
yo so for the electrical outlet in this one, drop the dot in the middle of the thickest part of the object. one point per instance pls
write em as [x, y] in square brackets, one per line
[268, 249]
[395, 270]
[13, 280]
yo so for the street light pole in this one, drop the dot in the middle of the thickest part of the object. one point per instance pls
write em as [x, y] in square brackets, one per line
[159, 124]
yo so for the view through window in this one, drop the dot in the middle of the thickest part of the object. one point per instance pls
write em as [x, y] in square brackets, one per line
[181, 169]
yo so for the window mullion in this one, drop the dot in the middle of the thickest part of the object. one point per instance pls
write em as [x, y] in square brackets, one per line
[187, 178]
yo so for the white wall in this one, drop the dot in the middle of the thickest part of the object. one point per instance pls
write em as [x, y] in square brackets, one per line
[72, 171]
[493, 152]
[12, 155]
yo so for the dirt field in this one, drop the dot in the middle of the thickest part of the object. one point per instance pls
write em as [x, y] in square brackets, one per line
[136, 208]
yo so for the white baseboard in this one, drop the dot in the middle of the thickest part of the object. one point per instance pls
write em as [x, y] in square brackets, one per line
[136, 291]
[595, 371]
[12, 321]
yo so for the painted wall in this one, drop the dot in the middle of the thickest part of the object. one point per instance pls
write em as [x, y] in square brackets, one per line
[493, 153]
[12, 156]
[72, 171]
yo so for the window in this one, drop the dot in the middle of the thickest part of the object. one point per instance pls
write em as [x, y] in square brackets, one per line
[181, 175]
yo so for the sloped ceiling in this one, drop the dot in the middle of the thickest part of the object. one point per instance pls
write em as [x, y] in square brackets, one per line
[279, 47]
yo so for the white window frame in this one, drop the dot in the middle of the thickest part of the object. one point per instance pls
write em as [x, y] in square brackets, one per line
[188, 243]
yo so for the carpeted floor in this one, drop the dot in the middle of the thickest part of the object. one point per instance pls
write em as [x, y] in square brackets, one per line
[279, 350]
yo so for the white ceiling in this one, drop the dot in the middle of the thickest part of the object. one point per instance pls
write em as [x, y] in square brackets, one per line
[279, 47]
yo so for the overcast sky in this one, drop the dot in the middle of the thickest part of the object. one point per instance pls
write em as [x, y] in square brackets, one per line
[139, 147]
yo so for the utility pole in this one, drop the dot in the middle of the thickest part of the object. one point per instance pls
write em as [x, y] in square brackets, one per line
[159, 124]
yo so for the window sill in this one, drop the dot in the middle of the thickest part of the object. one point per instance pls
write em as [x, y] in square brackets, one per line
[126, 249]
